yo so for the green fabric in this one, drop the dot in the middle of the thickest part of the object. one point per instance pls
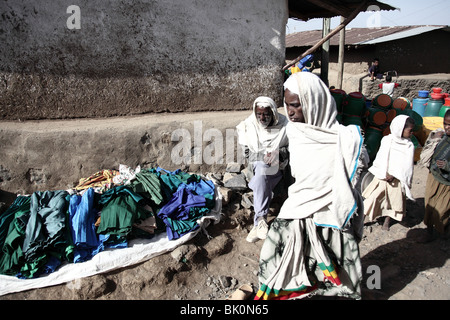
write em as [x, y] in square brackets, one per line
[183, 226]
[20, 203]
[45, 233]
[148, 182]
[121, 210]
[11, 253]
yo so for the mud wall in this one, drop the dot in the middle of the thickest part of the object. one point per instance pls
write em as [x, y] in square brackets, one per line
[123, 57]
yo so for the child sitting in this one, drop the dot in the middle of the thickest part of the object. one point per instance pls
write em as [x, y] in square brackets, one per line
[393, 170]
[388, 86]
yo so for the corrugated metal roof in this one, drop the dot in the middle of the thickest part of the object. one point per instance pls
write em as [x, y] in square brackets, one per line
[310, 9]
[403, 34]
[359, 36]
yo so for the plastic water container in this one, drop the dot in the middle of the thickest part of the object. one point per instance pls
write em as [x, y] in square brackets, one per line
[423, 93]
[356, 104]
[432, 108]
[419, 105]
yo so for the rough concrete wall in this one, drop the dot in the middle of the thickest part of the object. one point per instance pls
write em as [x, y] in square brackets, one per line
[409, 85]
[134, 57]
[51, 155]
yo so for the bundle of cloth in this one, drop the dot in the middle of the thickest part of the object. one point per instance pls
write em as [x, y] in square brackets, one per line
[106, 210]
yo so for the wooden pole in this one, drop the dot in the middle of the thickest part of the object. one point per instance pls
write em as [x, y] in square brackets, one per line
[341, 56]
[332, 33]
[325, 51]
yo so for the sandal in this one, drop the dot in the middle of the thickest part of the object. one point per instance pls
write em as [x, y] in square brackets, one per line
[242, 293]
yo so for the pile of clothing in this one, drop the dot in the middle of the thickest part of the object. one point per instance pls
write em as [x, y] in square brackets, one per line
[106, 210]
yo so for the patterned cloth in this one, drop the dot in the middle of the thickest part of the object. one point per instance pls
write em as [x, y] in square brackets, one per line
[100, 181]
[326, 263]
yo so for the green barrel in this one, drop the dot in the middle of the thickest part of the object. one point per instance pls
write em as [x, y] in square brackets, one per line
[355, 105]
[349, 119]
[339, 96]
[401, 103]
[417, 119]
[391, 114]
[443, 110]
[383, 101]
[376, 116]
[433, 107]
[372, 140]
[415, 141]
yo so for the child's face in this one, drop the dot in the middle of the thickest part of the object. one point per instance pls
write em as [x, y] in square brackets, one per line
[447, 125]
[407, 132]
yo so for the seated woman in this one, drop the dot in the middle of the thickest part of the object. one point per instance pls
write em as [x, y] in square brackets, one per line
[263, 133]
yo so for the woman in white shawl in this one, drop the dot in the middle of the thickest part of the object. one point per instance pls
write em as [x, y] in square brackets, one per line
[312, 246]
[393, 170]
[263, 133]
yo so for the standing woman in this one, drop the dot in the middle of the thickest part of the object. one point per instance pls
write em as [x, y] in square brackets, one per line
[437, 194]
[312, 246]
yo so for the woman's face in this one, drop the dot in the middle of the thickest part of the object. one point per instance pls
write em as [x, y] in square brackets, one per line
[294, 109]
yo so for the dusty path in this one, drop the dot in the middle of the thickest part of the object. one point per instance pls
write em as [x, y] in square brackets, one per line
[211, 269]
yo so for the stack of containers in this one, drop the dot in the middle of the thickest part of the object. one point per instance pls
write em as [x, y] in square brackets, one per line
[354, 109]
[420, 102]
[340, 96]
[433, 107]
[403, 106]
[444, 107]
[378, 117]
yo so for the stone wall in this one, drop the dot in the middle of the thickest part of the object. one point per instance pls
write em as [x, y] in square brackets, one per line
[135, 57]
[409, 85]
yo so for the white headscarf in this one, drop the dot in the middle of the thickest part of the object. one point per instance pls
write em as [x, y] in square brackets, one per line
[258, 138]
[324, 157]
[395, 156]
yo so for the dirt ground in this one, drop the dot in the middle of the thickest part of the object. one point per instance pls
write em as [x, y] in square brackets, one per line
[212, 268]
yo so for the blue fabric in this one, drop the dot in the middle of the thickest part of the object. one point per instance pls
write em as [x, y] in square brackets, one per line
[107, 241]
[192, 197]
[82, 225]
[202, 188]
[178, 208]
[52, 264]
